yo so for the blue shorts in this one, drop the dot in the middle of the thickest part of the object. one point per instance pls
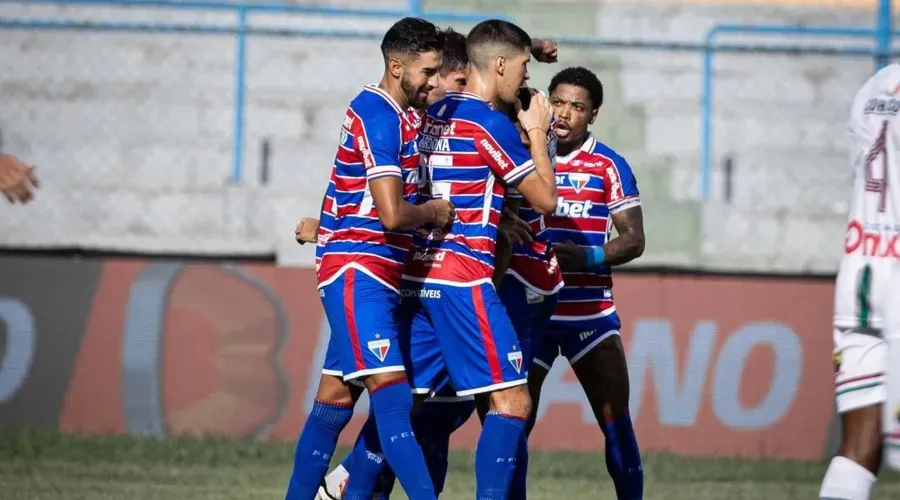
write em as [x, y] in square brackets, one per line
[529, 312]
[462, 336]
[365, 331]
[573, 339]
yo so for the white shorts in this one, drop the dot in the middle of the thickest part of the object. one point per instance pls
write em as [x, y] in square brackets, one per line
[860, 360]
[891, 416]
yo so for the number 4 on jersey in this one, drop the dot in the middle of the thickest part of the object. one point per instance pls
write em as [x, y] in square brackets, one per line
[878, 185]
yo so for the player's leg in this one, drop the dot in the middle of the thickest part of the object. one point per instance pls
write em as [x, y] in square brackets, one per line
[891, 413]
[860, 357]
[598, 360]
[434, 422]
[371, 351]
[483, 355]
[332, 410]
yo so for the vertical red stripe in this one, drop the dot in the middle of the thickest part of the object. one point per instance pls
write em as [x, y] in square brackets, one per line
[349, 279]
[490, 348]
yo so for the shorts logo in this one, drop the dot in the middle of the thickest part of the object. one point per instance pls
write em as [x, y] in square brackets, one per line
[532, 297]
[515, 358]
[838, 358]
[379, 348]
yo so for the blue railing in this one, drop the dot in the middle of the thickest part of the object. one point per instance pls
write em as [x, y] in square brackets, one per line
[882, 35]
[241, 29]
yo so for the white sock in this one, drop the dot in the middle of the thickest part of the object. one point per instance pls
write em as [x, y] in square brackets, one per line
[846, 480]
[334, 479]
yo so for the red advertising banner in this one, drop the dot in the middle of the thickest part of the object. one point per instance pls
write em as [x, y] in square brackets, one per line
[720, 366]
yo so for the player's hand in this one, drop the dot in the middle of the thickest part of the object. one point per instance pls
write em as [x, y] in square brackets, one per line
[442, 212]
[307, 231]
[571, 257]
[17, 180]
[545, 51]
[514, 229]
[537, 116]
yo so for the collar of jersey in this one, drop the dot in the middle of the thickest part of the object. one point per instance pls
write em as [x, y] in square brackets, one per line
[384, 95]
[588, 145]
[467, 95]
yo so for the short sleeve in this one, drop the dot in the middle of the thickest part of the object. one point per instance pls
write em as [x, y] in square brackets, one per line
[499, 144]
[378, 143]
[620, 186]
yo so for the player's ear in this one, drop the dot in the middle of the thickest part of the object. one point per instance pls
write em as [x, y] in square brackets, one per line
[395, 67]
[594, 116]
[500, 63]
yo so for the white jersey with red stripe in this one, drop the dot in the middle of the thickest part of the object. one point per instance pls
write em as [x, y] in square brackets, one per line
[593, 183]
[535, 265]
[471, 154]
[377, 140]
[871, 246]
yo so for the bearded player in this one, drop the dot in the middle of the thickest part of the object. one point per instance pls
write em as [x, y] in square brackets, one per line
[866, 327]
[360, 269]
[597, 191]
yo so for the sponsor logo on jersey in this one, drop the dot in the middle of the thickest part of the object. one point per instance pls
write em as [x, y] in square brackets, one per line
[573, 208]
[429, 256]
[368, 159]
[430, 127]
[579, 180]
[496, 155]
[872, 240]
[515, 358]
[615, 185]
[379, 348]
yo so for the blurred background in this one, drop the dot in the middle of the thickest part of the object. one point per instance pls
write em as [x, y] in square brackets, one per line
[154, 288]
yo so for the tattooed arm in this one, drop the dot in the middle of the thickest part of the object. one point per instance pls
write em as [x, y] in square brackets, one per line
[624, 248]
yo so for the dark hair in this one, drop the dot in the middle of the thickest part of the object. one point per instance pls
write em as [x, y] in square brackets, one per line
[580, 77]
[455, 56]
[411, 36]
[504, 37]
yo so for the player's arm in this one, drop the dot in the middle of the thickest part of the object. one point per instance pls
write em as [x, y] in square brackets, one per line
[512, 230]
[539, 186]
[379, 145]
[308, 229]
[530, 172]
[624, 203]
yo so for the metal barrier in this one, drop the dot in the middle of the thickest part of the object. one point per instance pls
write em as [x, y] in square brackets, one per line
[241, 29]
[882, 35]
[882, 53]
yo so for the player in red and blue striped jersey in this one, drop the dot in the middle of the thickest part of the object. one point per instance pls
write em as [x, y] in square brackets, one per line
[375, 183]
[597, 191]
[471, 155]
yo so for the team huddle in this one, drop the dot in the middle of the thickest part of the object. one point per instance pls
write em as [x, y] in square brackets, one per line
[464, 243]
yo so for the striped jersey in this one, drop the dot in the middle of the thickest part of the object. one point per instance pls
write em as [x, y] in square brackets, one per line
[535, 264]
[326, 221]
[471, 154]
[592, 183]
[377, 140]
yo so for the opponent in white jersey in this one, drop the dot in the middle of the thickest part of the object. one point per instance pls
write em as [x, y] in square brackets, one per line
[867, 296]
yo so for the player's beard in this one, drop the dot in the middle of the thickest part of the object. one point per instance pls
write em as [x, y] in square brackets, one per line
[413, 94]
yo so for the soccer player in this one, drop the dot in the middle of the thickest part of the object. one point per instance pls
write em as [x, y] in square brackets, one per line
[360, 269]
[866, 334]
[17, 180]
[597, 191]
[473, 154]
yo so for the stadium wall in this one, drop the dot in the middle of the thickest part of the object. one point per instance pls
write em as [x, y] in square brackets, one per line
[720, 365]
[133, 132]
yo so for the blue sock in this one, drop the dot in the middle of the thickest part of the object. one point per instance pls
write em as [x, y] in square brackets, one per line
[434, 423]
[518, 486]
[495, 456]
[368, 462]
[392, 404]
[623, 459]
[315, 446]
